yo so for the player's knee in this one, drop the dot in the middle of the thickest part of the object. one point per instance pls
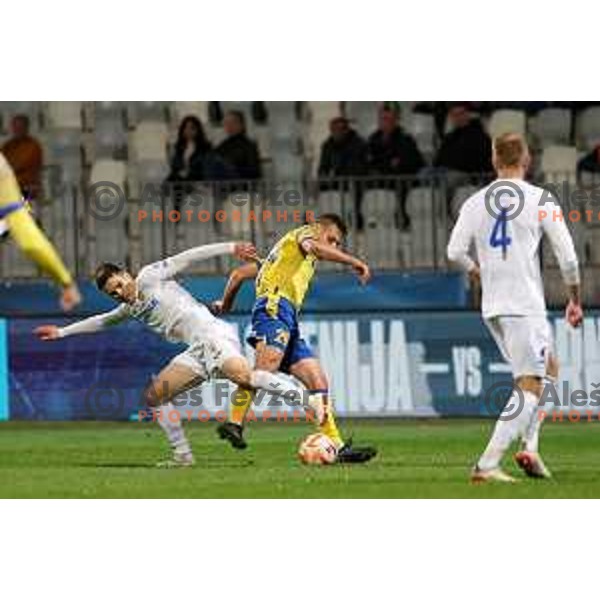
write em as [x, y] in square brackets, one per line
[151, 397]
[267, 358]
[530, 383]
[552, 366]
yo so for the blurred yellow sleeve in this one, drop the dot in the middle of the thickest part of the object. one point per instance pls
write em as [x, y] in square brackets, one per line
[25, 232]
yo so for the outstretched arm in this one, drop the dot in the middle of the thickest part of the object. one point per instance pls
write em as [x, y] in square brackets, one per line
[329, 253]
[170, 267]
[89, 325]
[28, 236]
[234, 283]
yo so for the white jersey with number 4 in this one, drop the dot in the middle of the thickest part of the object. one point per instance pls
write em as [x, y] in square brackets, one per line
[507, 245]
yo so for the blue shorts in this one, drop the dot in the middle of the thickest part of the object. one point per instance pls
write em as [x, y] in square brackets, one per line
[279, 331]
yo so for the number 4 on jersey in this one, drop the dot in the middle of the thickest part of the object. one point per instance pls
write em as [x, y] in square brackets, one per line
[499, 237]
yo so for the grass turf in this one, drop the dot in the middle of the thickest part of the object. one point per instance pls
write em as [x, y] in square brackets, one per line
[418, 459]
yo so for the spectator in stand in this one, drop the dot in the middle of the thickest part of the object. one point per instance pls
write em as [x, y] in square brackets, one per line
[191, 150]
[344, 155]
[238, 151]
[590, 163]
[394, 153]
[344, 152]
[24, 154]
[467, 148]
[190, 161]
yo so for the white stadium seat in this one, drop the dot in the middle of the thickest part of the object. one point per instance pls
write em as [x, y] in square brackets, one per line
[109, 170]
[149, 141]
[551, 126]
[422, 128]
[363, 116]
[198, 109]
[64, 115]
[588, 128]
[507, 121]
[559, 162]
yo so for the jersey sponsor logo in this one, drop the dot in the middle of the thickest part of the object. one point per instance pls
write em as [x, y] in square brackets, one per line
[146, 309]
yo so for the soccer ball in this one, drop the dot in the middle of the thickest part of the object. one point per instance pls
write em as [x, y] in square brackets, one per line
[317, 449]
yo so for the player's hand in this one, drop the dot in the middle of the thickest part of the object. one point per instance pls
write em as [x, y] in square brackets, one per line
[475, 277]
[70, 297]
[362, 272]
[217, 308]
[47, 332]
[574, 313]
[245, 251]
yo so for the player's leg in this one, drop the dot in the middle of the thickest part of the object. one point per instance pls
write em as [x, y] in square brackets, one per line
[309, 371]
[528, 458]
[518, 342]
[270, 338]
[174, 379]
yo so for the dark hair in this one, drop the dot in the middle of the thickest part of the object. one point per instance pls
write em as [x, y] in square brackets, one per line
[104, 272]
[23, 118]
[333, 219]
[202, 142]
[240, 116]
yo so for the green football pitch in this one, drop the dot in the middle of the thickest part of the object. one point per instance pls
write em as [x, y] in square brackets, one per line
[417, 459]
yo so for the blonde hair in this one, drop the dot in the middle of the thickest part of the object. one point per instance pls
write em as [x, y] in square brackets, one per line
[510, 150]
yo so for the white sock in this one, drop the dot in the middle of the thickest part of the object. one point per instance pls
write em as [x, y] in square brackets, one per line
[507, 431]
[165, 416]
[272, 382]
[531, 437]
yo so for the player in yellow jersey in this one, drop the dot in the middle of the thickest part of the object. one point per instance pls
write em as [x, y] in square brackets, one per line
[19, 224]
[282, 282]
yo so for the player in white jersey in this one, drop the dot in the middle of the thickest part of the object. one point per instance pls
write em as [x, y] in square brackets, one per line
[504, 222]
[158, 301]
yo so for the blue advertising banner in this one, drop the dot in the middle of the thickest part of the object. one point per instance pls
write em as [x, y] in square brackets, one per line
[388, 291]
[398, 364]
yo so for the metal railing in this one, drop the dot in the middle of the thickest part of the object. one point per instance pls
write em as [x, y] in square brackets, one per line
[394, 222]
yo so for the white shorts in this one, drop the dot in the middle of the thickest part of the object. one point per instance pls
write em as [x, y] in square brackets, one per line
[206, 357]
[525, 343]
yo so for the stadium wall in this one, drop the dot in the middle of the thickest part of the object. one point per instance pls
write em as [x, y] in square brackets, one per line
[381, 365]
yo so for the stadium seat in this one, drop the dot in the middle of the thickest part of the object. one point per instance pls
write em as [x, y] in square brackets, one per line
[64, 115]
[461, 194]
[381, 206]
[110, 111]
[363, 116]
[319, 114]
[331, 202]
[382, 245]
[149, 141]
[145, 110]
[551, 126]
[507, 121]
[183, 109]
[108, 238]
[588, 128]
[63, 145]
[109, 170]
[559, 163]
[109, 139]
[422, 128]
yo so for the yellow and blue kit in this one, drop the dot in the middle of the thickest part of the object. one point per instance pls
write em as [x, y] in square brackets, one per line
[281, 286]
[23, 229]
